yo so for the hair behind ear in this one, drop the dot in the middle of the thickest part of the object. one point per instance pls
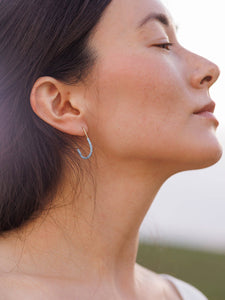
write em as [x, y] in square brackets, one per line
[38, 38]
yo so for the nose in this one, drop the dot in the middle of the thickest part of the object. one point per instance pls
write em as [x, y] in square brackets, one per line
[204, 72]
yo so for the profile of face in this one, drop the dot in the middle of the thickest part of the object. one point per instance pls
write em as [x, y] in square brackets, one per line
[149, 95]
[146, 99]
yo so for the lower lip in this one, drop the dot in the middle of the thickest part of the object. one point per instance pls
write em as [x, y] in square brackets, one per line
[208, 115]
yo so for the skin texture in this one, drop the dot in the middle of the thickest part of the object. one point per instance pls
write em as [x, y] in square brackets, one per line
[137, 106]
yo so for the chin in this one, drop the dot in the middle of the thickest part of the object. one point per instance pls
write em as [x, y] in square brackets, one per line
[208, 163]
[200, 155]
[207, 157]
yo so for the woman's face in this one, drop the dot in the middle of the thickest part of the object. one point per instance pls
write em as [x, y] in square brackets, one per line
[146, 92]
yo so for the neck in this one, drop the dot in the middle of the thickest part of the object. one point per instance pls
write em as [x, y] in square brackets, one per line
[92, 237]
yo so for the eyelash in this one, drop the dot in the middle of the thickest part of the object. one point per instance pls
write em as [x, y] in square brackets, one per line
[166, 46]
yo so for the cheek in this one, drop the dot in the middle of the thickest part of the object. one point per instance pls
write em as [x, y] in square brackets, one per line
[138, 99]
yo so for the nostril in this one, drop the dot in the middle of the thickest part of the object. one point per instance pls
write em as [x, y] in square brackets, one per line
[207, 78]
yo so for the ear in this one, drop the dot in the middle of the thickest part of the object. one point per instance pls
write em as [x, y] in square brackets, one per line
[59, 105]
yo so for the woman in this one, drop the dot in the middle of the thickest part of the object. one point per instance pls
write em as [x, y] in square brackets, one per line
[100, 104]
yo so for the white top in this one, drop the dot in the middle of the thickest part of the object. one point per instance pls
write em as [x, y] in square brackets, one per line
[186, 290]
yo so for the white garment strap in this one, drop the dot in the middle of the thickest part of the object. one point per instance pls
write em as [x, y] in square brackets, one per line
[186, 290]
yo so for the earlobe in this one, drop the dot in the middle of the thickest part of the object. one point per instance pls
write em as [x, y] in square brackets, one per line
[51, 101]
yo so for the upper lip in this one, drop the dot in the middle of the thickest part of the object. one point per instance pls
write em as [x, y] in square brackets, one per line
[210, 107]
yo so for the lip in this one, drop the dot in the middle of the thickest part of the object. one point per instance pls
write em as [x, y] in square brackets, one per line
[209, 107]
[207, 111]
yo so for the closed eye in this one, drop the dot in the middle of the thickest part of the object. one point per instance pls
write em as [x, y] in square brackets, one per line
[166, 46]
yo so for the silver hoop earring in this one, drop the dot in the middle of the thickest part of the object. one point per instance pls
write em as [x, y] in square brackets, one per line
[90, 145]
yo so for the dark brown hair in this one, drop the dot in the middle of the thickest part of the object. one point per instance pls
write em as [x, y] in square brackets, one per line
[38, 38]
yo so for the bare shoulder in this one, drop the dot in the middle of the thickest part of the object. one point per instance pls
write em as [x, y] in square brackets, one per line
[153, 282]
[27, 287]
[5, 292]
[19, 287]
[8, 286]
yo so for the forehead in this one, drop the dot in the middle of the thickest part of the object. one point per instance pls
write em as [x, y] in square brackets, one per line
[119, 25]
[129, 13]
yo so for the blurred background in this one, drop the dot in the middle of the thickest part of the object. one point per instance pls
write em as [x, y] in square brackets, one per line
[184, 232]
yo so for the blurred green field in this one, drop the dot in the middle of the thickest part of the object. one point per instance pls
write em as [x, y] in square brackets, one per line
[204, 270]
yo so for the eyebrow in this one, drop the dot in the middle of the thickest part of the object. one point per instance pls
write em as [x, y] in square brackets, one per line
[154, 16]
